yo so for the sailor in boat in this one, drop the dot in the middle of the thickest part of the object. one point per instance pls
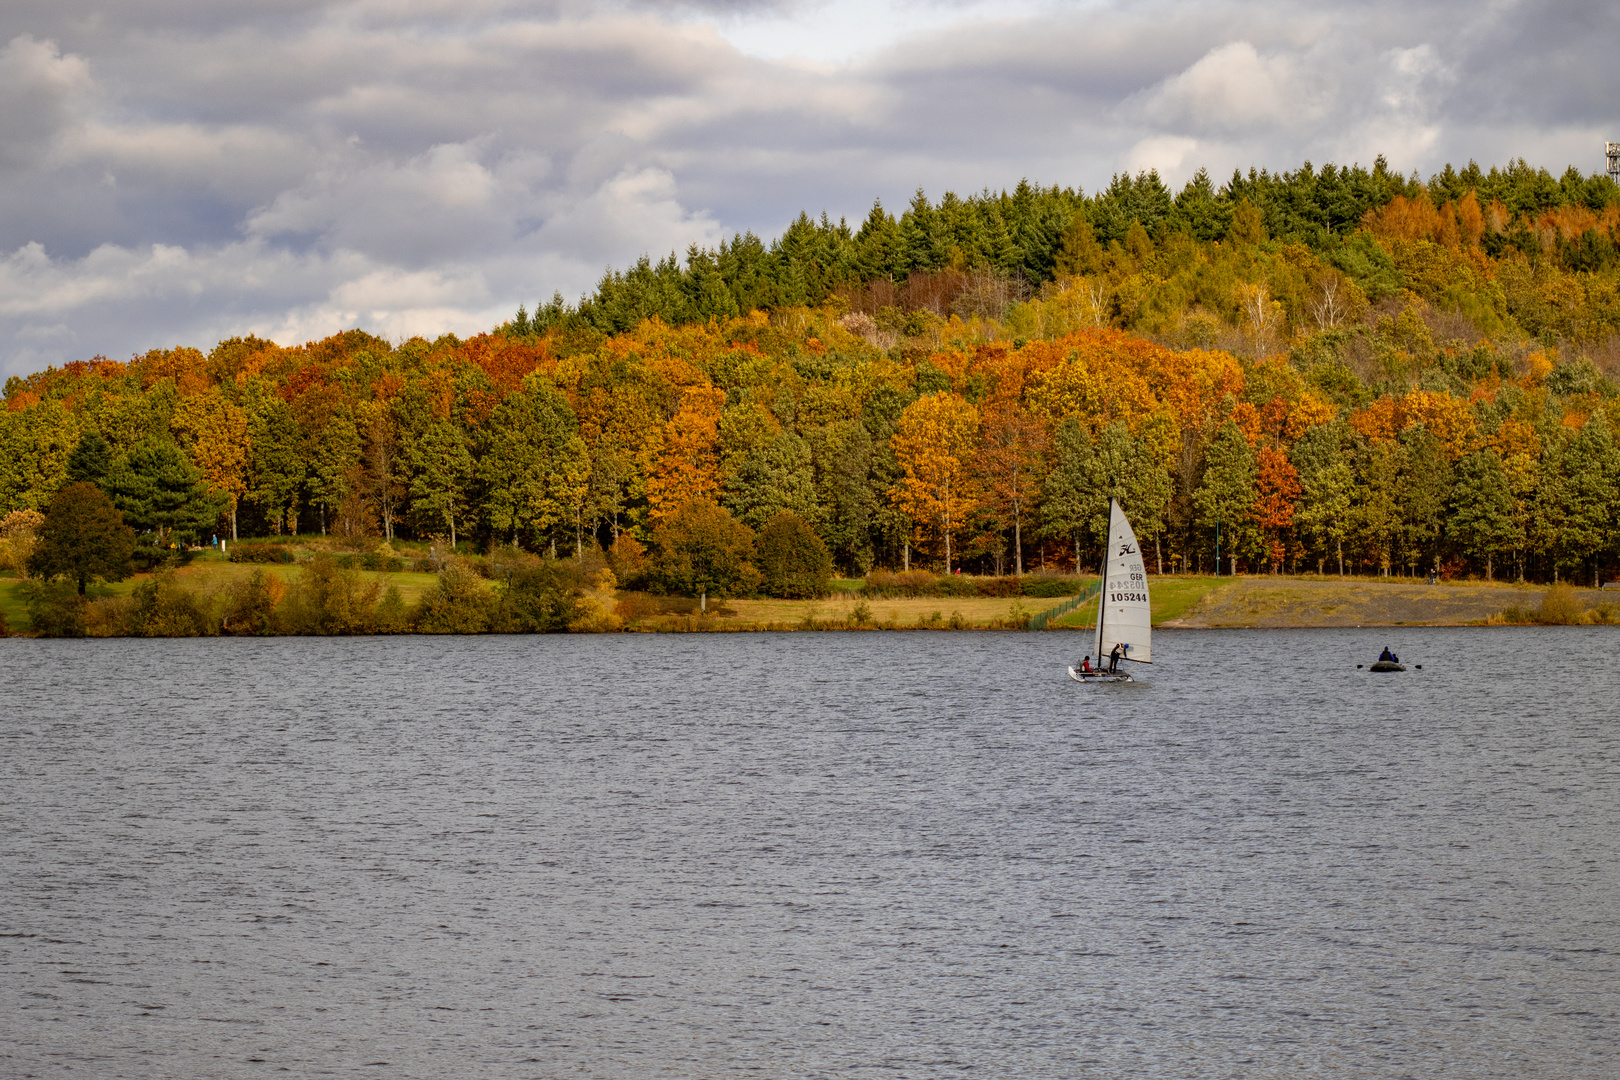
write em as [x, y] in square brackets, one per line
[1085, 664]
[1113, 658]
[1386, 655]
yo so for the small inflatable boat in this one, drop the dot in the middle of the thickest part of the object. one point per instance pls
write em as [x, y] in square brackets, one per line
[1387, 665]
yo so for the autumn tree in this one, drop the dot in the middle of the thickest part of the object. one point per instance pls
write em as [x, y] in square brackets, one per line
[1482, 508]
[35, 447]
[1011, 444]
[686, 465]
[936, 446]
[19, 533]
[777, 477]
[1327, 489]
[83, 537]
[1067, 503]
[277, 463]
[702, 549]
[534, 467]
[382, 465]
[1225, 497]
[1277, 489]
[335, 474]
[442, 476]
[214, 432]
[792, 560]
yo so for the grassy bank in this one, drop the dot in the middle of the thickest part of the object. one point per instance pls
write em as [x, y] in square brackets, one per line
[1178, 601]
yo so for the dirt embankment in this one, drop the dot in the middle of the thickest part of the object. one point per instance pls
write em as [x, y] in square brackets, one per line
[1307, 602]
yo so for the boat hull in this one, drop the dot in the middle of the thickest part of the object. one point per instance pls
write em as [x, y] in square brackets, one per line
[1386, 665]
[1099, 676]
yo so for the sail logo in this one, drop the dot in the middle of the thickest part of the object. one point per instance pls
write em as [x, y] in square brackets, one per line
[1127, 548]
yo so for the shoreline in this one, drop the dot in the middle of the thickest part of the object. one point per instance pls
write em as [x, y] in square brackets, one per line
[1180, 602]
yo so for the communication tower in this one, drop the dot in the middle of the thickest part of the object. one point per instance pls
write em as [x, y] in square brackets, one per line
[1613, 150]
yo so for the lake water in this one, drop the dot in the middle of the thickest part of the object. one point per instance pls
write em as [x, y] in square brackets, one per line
[811, 855]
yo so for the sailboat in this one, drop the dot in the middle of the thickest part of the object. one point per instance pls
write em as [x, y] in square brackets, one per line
[1123, 612]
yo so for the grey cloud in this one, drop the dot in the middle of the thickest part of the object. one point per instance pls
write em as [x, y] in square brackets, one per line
[174, 170]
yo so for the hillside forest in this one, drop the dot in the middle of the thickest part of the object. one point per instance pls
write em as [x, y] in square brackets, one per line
[1339, 370]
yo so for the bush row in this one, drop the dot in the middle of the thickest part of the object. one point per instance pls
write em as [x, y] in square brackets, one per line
[326, 598]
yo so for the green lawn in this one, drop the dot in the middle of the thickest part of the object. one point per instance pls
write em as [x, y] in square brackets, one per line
[11, 604]
[1173, 597]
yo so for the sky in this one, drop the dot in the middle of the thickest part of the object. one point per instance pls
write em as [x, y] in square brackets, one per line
[173, 172]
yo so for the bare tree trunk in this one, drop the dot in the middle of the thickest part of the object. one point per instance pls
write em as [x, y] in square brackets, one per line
[905, 555]
[233, 520]
[1018, 546]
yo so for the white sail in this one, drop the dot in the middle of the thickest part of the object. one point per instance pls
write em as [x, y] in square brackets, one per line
[1123, 610]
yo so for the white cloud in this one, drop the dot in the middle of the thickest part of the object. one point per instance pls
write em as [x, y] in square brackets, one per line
[1234, 89]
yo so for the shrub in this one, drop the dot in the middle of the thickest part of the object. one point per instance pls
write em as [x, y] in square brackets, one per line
[458, 603]
[392, 617]
[19, 533]
[593, 618]
[999, 586]
[538, 599]
[1560, 607]
[330, 599]
[159, 607]
[883, 583]
[792, 560]
[261, 553]
[1042, 586]
[634, 606]
[628, 558]
[250, 605]
[55, 609]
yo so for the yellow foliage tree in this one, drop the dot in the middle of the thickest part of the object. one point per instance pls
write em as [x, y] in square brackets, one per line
[214, 432]
[935, 445]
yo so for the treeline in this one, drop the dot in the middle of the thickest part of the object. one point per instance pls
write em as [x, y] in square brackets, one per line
[1034, 235]
[1344, 368]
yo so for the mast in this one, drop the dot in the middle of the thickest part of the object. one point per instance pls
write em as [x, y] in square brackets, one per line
[1102, 585]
